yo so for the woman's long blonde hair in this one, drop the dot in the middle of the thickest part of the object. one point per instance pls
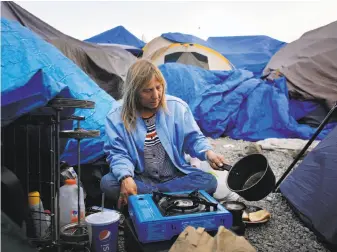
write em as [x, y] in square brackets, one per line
[138, 77]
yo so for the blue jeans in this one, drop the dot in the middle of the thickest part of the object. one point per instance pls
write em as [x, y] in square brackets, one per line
[198, 180]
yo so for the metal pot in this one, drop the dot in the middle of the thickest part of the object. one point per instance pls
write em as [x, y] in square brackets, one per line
[251, 177]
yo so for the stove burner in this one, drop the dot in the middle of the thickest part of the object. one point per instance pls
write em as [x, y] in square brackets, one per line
[175, 204]
[183, 203]
[180, 205]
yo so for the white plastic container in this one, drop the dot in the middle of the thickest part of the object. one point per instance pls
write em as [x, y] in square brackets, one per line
[68, 203]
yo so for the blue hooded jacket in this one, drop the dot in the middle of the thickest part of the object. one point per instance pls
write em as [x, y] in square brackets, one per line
[177, 131]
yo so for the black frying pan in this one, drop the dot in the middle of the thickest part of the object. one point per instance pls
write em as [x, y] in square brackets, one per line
[251, 177]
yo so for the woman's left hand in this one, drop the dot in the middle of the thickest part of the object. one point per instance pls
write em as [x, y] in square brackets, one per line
[215, 160]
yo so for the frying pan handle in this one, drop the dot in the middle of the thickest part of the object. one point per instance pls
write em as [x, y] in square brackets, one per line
[225, 167]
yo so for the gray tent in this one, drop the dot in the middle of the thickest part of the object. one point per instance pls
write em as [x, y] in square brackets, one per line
[107, 66]
[310, 65]
[311, 190]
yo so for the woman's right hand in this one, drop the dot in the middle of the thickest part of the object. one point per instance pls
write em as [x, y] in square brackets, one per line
[128, 187]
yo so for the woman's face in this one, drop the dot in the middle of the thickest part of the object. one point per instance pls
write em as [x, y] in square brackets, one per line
[151, 95]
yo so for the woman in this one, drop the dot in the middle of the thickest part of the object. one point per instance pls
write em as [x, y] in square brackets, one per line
[147, 138]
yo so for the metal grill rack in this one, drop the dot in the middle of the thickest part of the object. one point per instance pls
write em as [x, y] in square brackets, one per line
[35, 142]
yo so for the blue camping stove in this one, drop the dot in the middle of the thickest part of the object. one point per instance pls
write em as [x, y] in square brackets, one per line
[161, 216]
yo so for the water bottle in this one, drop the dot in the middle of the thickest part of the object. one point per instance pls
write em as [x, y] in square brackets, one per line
[37, 213]
[69, 203]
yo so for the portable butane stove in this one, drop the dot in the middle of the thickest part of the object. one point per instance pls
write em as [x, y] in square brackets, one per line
[160, 216]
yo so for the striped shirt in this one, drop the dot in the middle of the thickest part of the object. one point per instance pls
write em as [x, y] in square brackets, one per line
[158, 165]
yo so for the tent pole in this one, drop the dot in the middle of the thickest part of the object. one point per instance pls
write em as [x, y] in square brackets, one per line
[319, 129]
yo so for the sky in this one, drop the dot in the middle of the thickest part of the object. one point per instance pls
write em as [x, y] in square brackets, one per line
[282, 20]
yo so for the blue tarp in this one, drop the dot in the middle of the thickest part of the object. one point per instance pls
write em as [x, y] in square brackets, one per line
[184, 38]
[299, 109]
[117, 35]
[247, 52]
[311, 189]
[235, 103]
[33, 72]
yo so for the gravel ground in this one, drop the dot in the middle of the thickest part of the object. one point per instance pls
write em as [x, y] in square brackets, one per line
[284, 232]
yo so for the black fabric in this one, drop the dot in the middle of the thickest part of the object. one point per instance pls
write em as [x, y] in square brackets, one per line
[11, 189]
[107, 66]
[172, 57]
[200, 57]
[14, 203]
[131, 242]
[189, 58]
[12, 237]
[316, 117]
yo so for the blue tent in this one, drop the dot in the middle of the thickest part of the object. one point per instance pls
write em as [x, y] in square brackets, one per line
[247, 52]
[311, 189]
[34, 72]
[119, 36]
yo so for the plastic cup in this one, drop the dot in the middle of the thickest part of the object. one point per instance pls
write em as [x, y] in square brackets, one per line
[103, 231]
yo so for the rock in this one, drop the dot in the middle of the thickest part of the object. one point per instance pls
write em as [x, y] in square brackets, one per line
[253, 148]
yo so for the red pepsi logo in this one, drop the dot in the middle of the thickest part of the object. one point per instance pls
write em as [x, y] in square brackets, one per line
[104, 235]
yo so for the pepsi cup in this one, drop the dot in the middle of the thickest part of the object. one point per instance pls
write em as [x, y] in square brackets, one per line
[103, 231]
